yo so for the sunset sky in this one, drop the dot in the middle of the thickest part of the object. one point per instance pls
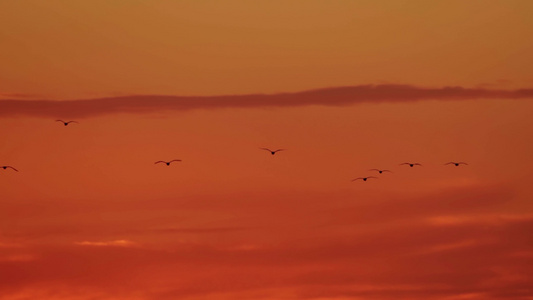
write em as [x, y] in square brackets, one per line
[344, 86]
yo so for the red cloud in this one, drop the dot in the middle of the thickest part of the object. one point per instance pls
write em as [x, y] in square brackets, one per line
[335, 96]
[429, 252]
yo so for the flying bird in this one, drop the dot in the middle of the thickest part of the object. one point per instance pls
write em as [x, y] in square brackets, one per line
[364, 178]
[456, 163]
[10, 167]
[411, 164]
[380, 171]
[66, 123]
[272, 151]
[167, 162]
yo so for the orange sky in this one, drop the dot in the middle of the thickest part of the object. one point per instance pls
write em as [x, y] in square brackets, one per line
[89, 215]
[81, 49]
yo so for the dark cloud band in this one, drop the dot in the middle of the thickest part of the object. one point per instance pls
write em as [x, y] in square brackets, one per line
[335, 96]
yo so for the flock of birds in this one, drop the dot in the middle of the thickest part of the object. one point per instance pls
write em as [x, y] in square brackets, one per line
[408, 164]
[272, 152]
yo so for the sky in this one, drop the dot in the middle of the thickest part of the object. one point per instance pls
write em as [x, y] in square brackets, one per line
[343, 86]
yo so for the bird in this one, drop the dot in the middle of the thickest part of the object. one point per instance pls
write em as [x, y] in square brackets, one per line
[5, 167]
[456, 163]
[66, 123]
[380, 171]
[167, 162]
[272, 151]
[364, 178]
[411, 164]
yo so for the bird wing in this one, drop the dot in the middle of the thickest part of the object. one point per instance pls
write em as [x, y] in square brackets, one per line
[357, 178]
[266, 149]
[417, 164]
[72, 122]
[374, 170]
[279, 150]
[174, 160]
[405, 164]
[450, 163]
[60, 121]
[160, 162]
[462, 163]
[12, 168]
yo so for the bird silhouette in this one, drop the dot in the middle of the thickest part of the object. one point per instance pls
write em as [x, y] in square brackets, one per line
[380, 171]
[456, 163]
[10, 167]
[364, 178]
[411, 164]
[167, 162]
[272, 151]
[66, 123]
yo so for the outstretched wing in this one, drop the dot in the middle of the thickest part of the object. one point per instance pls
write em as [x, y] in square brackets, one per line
[417, 164]
[279, 150]
[266, 149]
[358, 178]
[160, 162]
[462, 163]
[60, 121]
[405, 164]
[450, 163]
[72, 122]
[174, 160]
[12, 168]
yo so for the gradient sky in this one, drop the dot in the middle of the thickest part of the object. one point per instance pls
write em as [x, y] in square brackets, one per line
[344, 86]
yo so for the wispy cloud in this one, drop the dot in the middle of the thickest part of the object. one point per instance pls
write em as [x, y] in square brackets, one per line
[9, 245]
[18, 258]
[334, 96]
[116, 243]
[214, 230]
[489, 219]
[445, 245]
[18, 96]
[409, 262]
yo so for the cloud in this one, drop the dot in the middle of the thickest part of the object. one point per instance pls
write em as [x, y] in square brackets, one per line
[212, 230]
[455, 244]
[447, 206]
[489, 219]
[18, 258]
[18, 96]
[494, 84]
[117, 243]
[334, 96]
[9, 245]
[414, 262]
